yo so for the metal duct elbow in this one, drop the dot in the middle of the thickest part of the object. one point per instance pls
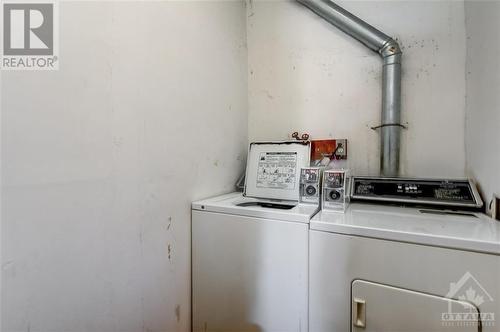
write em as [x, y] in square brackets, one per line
[389, 50]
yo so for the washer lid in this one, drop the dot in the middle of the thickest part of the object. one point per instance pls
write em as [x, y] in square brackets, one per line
[236, 204]
[273, 169]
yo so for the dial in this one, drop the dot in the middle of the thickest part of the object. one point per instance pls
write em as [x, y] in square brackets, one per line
[310, 190]
[334, 195]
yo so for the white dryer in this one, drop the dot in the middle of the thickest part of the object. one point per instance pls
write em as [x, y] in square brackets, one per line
[406, 269]
[250, 254]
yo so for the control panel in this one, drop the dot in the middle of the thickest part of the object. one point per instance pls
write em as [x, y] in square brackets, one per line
[460, 193]
[310, 178]
[335, 190]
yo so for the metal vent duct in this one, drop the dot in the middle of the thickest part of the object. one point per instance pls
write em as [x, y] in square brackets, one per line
[389, 50]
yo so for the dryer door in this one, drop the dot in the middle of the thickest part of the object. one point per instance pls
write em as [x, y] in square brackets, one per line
[377, 307]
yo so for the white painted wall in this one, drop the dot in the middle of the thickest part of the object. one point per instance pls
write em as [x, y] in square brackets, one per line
[483, 94]
[101, 160]
[306, 75]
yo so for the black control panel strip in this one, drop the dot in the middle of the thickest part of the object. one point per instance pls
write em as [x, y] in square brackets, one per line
[459, 193]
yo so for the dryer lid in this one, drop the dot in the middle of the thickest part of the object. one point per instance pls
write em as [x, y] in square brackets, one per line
[441, 228]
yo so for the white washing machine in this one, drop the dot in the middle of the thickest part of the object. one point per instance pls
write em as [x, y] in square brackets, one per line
[250, 254]
[380, 267]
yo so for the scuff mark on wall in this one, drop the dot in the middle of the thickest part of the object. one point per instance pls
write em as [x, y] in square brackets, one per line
[178, 313]
[142, 315]
[7, 265]
[249, 6]
[268, 94]
[169, 224]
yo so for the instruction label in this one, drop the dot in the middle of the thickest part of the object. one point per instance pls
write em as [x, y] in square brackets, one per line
[277, 170]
